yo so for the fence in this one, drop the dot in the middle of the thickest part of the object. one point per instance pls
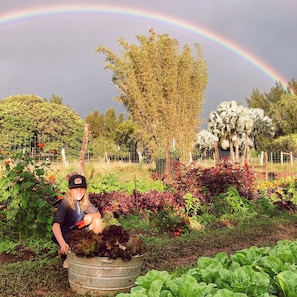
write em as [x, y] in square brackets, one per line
[267, 165]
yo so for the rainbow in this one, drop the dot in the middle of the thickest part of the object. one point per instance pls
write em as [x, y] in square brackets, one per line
[56, 10]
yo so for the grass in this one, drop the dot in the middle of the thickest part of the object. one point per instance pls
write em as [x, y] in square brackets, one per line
[94, 170]
[43, 274]
[128, 171]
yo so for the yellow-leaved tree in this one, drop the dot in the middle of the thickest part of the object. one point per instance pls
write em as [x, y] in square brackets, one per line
[162, 87]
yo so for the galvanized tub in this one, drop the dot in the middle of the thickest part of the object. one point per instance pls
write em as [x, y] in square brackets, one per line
[101, 276]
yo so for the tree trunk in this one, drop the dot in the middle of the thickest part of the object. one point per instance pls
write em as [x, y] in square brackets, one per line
[217, 155]
[237, 150]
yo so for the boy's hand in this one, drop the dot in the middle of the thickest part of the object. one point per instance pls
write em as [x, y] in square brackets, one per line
[88, 220]
[64, 249]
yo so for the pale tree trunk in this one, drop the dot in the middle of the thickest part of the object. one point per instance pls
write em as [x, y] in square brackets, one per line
[83, 150]
[217, 155]
[139, 156]
[236, 150]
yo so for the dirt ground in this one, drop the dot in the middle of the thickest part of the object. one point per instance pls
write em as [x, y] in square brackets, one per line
[186, 253]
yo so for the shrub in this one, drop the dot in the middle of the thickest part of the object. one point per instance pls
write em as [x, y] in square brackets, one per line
[123, 203]
[27, 196]
[230, 203]
[205, 183]
[171, 221]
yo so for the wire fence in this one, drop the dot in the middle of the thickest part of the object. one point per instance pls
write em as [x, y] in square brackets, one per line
[266, 165]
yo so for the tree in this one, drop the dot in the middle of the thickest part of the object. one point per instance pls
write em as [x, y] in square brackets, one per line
[265, 101]
[205, 141]
[124, 136]
[226, 123]
[285, 114]
[292, 86]
[27, 120]
[162, 89]
[111, 122]
[55, 99]
[255, 131]
[96, 122]
[235, 124]
[113, 131]
[272, 101]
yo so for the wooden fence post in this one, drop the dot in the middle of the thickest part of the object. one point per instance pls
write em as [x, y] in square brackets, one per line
[266, 165]
[83, 150]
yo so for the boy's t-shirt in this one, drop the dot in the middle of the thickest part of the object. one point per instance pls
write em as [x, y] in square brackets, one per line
[67, 216]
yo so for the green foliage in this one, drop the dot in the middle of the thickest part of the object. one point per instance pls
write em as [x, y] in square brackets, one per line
[169, 220]
[28, 119]
[284, 113]
[27, 197]
[264, 206]
[110, 134]
[192, 204]
[111, 182]
[157, 79]
[253, 272]
[286, 144]
[279, 105]
[230, 202]
[8, 246]
[134, 222]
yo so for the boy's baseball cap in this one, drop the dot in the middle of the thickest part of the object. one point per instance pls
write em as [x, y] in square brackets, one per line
[77, 181]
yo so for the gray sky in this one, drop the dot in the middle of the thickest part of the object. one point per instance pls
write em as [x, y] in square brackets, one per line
[54, 53]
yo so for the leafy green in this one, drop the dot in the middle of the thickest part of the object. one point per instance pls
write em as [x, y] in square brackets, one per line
[253, 272]
[286, 282]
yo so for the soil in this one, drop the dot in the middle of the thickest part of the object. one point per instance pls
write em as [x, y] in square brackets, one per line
[189, 253]
[186, 253]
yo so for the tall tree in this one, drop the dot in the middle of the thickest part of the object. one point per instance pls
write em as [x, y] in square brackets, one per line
[285, 114]
[96, 122]
[292, 86]
[270, 102]
[111, 122]
[55, 99]
[262, 129]
[162, 89]
[266, 100]
[24, 117]
[226, 123]
[234, 123]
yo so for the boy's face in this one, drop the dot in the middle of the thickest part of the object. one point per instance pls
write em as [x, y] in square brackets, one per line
[78, 193]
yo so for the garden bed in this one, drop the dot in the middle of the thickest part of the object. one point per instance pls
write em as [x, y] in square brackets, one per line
[176, 253]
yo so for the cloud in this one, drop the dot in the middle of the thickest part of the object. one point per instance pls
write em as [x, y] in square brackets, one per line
[56, 55]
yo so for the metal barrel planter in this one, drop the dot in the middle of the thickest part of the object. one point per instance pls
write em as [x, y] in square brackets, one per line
[101, 276]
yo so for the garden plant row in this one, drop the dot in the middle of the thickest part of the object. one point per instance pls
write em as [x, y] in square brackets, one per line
[253, 272]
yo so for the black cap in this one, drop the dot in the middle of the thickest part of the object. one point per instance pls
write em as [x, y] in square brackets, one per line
[77, 181]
